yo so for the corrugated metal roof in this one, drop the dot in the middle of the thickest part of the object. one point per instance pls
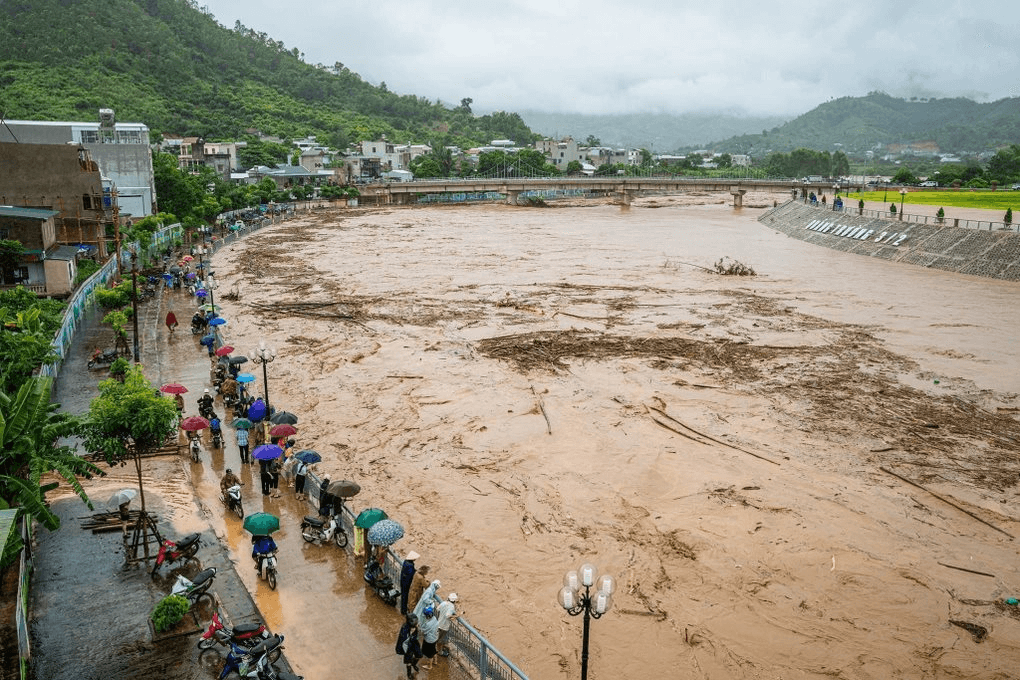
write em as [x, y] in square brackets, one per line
[63, 253]
[18, 211]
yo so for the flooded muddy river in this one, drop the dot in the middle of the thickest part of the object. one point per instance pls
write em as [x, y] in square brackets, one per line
[525, 389]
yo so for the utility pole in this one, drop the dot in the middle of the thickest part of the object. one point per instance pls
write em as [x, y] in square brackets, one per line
[134, 301]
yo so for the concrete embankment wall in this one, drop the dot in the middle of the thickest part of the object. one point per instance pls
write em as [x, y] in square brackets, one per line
[993, 254]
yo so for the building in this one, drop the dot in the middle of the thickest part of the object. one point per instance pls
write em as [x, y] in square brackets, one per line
[120, 149]
[390, 156]
[560, 153]
[47, 268]
[64, 178]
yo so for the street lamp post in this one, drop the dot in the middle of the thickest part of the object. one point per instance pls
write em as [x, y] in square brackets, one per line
[835, 195]
[264, 355]
[592, 605]
[903, 194]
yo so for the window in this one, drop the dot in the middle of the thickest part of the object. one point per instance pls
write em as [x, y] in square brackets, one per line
[86, 202]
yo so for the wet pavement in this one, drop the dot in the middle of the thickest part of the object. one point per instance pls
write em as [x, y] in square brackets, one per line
[90, 613]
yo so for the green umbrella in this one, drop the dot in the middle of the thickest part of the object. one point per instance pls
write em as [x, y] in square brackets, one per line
[369, 516]
[261, 523]
[242, 424]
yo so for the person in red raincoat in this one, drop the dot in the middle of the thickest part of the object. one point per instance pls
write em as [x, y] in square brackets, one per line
[171, 321]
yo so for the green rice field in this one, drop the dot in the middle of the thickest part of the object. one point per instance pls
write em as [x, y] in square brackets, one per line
[950, 198]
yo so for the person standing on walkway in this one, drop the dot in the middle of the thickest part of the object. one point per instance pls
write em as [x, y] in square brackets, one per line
[300, 470]
[264, 477]
[429, 626]
[411, 647]
[418, 584]
[274, 477]
[171, 321]
[242, 445]
[446, 613]
[427, 599]
[407, 572]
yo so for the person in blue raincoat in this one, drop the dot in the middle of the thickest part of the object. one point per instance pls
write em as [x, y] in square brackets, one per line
[427, 598]
[261, 547]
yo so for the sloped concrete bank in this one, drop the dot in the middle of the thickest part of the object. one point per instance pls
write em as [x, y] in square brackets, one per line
[992, 254]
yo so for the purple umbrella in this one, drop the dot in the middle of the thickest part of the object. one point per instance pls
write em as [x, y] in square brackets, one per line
[257, 411]
[201, 293]
[267, 452]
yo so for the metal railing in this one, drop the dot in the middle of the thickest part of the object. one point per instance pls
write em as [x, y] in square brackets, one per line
[983, 225]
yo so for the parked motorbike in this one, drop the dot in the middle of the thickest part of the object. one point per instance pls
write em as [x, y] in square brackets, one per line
[232, 499]
[382, 584]
[243, 635]
[316, 530]
[102, 358]
[196, 588]
[257, 662]
[177, 551]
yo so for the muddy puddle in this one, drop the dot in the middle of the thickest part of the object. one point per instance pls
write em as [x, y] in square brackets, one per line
[528, 389]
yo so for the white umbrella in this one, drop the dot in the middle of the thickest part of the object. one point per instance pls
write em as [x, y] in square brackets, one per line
[121, 497]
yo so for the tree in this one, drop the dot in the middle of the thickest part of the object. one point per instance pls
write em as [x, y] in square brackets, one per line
[892, 208]
[1008, 217]
[840, 164]
[904, 176]
[573, 167]
[30, 428]
[724, 160]
[593, 141]
[126, 420]
[940, 215]
[11, 254]
[465, 105]
[24, 346]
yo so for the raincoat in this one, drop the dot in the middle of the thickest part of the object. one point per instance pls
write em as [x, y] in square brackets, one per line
[427, 598]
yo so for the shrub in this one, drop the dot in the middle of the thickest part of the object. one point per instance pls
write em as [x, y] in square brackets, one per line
[112, 298]
[892, 208]
[169, 611]
[1008, 217]
[86, 268]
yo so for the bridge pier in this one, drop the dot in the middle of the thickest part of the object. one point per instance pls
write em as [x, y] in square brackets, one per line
[626, 197]
[511, 196]
[738, 196]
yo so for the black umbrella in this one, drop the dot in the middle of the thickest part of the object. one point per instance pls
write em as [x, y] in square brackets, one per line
[239, 360]
[283, 417]
[175, 269]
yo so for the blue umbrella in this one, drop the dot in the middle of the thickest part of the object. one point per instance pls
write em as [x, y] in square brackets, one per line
[385, 532]
[208, 340]
[218, 321]
[269, 452]
[257, 411]
[168, 277]
[308, 456]
[245, 378]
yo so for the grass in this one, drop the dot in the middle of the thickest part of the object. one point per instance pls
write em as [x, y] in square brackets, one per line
[962, 198]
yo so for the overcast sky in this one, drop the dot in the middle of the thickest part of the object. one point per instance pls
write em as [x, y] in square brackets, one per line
[656, 56]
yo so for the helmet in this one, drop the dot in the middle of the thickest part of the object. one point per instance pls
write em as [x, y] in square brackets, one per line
[229, 471]
[207, 390]
[429, 610]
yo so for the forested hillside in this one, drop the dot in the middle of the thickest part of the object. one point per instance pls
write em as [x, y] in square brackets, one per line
[862, 123]
[168, 64]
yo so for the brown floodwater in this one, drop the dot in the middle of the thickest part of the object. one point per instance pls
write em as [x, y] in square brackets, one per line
[526, 389]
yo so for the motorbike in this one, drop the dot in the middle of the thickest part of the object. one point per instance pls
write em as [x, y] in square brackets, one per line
[257, 662]
[242, 635]
[205, 410]
[266, 565]
[102, 358]
[177, 551]
[382, 584]
[193, 590]
[233, 500]
[217, 439]
[316, 529]
[193, 446]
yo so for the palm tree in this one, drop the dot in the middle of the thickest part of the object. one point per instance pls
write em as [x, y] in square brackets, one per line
[30, 428]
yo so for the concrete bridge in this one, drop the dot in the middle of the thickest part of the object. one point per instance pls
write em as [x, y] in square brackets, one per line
[626, 188]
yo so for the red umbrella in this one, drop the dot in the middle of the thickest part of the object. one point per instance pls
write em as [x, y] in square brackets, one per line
[194, 423]
[283, 430]
[173, 388]
[224, 351]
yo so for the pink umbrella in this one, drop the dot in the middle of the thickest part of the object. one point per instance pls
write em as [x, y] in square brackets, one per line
[173, 388]
[194, 423]
[224, 351]
[283, 430]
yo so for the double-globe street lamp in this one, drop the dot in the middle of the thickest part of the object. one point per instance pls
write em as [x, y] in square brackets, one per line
[263, 355]
[592, 605]
[903, 194]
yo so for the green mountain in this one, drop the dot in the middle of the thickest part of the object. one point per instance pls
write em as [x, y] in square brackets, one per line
[169, 64]
[857, 124]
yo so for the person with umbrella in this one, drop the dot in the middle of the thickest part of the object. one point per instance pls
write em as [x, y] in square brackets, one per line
[300, 471]
[171, 321]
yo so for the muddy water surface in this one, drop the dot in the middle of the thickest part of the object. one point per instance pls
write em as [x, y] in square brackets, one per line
[527, 389]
